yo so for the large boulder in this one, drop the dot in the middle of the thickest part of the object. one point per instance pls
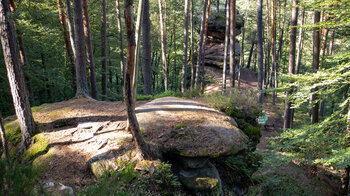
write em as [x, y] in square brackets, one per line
[189, 129]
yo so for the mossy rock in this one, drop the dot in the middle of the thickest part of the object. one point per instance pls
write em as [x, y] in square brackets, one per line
[39, 147]
[202, 180]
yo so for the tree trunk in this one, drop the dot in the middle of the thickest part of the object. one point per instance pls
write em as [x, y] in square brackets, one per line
[4, 142]
[174, 44]
[202, 70]
[331, 43]
[241, 63]
[89, 50]
[80, 66]
[200, 48]
[193, 76]
[146, 40]
[280, 41]
[15, 76]
[184, 60]
[315, 66]
[227, 40]
[324, 38]
[250, 54]
[140, 143]
[273, 44]
[260, 49]
[254, 61]
[232, 43]
[67, 41]
[300, 42]
[121, 46]
[104, 48]
[47, 85]
[291, 65]
[163, 42]
[137, 39]
[268, 50]
[70, 26]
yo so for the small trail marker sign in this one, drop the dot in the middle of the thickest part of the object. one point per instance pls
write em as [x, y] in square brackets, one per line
[262, 120]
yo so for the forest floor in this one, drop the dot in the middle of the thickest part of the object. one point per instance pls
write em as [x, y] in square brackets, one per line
[78, 130]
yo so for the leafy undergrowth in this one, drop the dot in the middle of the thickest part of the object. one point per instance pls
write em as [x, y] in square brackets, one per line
[243, 107]
[153, 180]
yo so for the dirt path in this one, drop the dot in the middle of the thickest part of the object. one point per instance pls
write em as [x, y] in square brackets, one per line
[248, 83]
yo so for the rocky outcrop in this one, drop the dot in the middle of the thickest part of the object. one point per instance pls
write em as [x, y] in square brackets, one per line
[189, 129]
[192, 133]
[214, 48]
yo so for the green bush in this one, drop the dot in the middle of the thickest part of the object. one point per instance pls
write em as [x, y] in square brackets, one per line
[243, 107]
[128, 181]
[19, 179]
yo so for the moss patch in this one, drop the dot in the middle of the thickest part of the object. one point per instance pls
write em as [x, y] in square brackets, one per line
[41, 163]
[39, 147]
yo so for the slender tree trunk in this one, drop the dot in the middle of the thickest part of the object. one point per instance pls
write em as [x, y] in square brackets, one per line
[280, 42]
[4, 142]
[260, 49]
[121, 45]
[331, 43]
[324, 38]
[274, 58]
[202, 71]
[175, 54]
[254, 61]
[163, 42]
[218, 5]
[15, 76]
[315, 66]
[47, 85]
[241, 63]
[70, 26]
[200, 48]
[184, 65]
[250, 54]
[82, 87]
[291, 65]
[147, 64]
[140, 143]
[89, 50]
[104, 48]
[67, 40]
[268, 50]
[232, 43]
[227, 40]
[110, 70]
[193, 76]
[137, 39]
[300, 42]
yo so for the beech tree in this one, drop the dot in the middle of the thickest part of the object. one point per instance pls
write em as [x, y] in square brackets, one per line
[15, 76]
[89, 50]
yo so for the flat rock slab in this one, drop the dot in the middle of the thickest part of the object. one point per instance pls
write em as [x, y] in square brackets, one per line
[189, 128]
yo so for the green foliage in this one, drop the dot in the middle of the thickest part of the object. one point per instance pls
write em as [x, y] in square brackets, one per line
[161, 177]
[238, 169]
[128, 181]
[243, 108]
[13, 132]
[19, 179]
[323, 143]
